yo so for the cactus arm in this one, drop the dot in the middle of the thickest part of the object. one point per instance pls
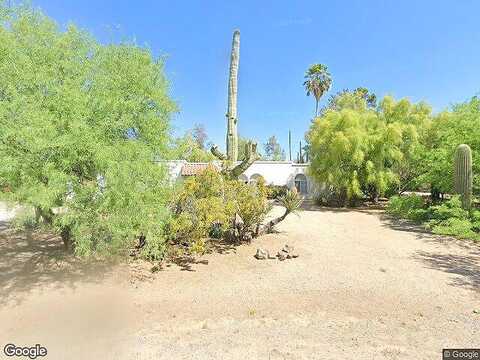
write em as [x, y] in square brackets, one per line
[214, 150]
[250, 157]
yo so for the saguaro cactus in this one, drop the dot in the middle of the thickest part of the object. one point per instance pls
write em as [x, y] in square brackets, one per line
[232, 133]
[463, 174]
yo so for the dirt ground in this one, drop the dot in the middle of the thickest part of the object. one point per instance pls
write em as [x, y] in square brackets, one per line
[363, 287]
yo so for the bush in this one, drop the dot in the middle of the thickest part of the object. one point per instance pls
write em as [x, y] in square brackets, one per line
[206, 207]
[411, 207]
[461, 228]
[447, 218]
[276, 191]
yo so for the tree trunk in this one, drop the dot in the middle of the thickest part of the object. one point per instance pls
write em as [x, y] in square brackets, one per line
[316, 107]
[434, 193]
[66, 236]
[268, 227]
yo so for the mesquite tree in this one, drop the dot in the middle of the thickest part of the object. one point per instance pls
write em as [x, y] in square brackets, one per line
[73, 111]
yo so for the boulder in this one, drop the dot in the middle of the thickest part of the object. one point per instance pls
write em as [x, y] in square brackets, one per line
[262, 254]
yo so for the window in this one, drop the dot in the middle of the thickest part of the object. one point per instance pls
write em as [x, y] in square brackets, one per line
[301, 183]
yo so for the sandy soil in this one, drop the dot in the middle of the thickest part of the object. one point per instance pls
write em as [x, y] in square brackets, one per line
[364, 287]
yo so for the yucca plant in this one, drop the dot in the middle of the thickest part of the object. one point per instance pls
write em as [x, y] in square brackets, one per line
[291, 201]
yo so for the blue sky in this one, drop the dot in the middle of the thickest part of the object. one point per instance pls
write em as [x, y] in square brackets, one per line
[423, 50]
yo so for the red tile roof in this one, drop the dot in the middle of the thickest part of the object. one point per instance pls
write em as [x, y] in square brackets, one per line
[192, 169]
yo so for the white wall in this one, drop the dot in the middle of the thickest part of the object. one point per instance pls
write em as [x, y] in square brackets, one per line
[281, 173]
[274, 172]
[174, 168]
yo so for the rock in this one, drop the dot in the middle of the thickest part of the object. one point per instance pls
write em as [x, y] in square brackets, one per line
[287, 253]
[247, 237]
[238, 221]
[261, 254]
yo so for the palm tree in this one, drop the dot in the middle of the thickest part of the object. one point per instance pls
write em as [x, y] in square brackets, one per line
[317, 82]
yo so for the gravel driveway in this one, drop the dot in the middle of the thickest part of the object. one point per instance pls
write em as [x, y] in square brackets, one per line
[363, 287]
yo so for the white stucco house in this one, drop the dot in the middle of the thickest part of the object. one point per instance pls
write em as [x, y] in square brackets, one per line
[282, 173]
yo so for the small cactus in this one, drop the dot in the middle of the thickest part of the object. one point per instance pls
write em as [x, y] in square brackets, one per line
[463, 174]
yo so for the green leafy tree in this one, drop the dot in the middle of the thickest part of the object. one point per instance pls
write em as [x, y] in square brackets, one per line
[357, 152]
[358, 98]
[317, 82]
[80, 125]
[448, 130]
[188, 148]
[415, 121]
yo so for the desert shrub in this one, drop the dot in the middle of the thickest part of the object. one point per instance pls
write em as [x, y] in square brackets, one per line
[275, 191]
[206, 206]
[449, 218]
[449, 209]
[461, 228]
[411, 207]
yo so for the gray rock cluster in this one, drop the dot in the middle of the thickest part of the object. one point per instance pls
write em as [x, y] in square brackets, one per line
[287, 252]
[263, 254]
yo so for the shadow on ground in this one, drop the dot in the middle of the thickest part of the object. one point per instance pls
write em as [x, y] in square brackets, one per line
[37, 261]
[465, 266]
[460, 258]
[311, 206]
[218, 246]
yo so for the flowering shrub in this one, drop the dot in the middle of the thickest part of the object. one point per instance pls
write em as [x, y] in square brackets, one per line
[207, 205]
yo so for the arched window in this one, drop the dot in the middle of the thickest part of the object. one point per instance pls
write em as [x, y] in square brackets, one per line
[243, 178]
[301, 183]
[254, 178]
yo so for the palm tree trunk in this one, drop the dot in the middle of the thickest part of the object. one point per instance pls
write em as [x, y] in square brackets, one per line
[316, 107]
